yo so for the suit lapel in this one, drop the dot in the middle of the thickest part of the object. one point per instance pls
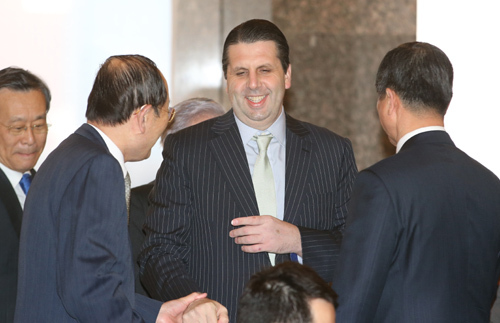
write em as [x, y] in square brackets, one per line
[11, 202]
[229, 153]
[298, 161]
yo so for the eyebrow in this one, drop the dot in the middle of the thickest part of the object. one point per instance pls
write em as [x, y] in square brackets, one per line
[266, 65]
[17, 118]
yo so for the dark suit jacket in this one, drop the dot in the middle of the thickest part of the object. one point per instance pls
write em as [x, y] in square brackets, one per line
[10, 228]
[204, 182]
[422, 240]
[139, 205]
[75, 262]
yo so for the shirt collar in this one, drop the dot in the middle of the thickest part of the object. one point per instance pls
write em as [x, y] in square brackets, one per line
[12, 175]
[113, 150]
[277, 129]
[413, 133]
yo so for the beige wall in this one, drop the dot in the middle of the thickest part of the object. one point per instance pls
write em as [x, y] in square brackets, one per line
[336, 46]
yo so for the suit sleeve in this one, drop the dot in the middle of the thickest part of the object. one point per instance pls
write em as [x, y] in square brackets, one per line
[369, 245]
[320, 248]
[94, 265]
[164, 258]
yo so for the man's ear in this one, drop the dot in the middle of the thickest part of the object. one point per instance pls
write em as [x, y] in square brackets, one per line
[288, 77]
[394, 102]
[140, 116]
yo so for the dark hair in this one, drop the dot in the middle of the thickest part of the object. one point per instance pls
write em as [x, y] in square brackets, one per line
[420, 73]
[190, 109]
[18, 79]
[282, 294]
[253, 31]
[123, 84]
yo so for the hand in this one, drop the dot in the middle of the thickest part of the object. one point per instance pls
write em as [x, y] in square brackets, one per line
[205, 311]
[171, 312]
[266, 233]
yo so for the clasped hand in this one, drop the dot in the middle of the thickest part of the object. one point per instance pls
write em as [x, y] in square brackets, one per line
[192, 308]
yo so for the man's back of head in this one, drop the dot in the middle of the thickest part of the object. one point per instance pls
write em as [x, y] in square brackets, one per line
[420, 73]
[124, 83]
[288, 292]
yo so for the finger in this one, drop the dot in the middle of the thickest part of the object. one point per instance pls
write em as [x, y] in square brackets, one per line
[246, 230]
[254, 248]
[249, 240]
[222, 316]
[192, 297]
[247, 220]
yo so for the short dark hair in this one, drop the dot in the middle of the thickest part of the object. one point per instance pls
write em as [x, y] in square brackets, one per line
[282, 294]
[18, 79]
[123, 84]
[420, 73]
[253, 31]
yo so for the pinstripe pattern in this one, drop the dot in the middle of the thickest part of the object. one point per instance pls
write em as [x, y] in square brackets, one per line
[205, 182]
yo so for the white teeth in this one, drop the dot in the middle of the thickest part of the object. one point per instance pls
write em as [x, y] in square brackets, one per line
[256, 99]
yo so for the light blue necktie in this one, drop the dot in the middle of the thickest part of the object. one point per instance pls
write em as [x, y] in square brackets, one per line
[25, 183]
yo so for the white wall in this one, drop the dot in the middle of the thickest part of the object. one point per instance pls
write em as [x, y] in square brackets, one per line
[469, 33]
[65, 41]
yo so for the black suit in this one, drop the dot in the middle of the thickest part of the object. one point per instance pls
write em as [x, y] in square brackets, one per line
[422, 240]
[205, 182]
[10, 228]
[139, 205]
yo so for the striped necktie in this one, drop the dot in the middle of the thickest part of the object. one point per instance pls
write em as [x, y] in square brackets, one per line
[127, 195]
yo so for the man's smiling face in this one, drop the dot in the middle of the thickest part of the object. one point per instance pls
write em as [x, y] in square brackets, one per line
[256, 83]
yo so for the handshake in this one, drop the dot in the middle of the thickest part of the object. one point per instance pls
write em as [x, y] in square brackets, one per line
[194, 307]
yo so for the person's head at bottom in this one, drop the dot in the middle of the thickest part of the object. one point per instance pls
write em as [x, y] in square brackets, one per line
[288, 292]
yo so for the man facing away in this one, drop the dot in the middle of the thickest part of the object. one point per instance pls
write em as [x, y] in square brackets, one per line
[223, 208]
[24, 103]
[75, 261]
[422, 240]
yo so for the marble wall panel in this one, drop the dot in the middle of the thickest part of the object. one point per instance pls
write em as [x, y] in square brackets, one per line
[336, 47]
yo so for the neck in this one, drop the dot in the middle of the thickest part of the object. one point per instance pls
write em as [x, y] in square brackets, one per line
[118, 135]
[412, 122]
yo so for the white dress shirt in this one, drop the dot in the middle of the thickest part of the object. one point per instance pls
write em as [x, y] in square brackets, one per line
[413, 133]
[14, 179]
[276, 152]
[113, 150]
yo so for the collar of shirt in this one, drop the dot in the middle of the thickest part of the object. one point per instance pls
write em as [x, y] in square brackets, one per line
[277, 129]
[113, 150]
[413, 133]
[13, 176]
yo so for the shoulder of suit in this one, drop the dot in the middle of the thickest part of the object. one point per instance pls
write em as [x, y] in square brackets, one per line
[306, 128]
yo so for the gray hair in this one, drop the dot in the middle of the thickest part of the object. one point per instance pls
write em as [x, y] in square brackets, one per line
[189, 110]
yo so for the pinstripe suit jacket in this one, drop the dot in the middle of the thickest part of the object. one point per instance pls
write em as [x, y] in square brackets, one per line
[204, 182]
[75, 263]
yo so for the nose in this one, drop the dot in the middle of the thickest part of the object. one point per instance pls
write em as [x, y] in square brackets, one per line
[253, 80]
[28, 136]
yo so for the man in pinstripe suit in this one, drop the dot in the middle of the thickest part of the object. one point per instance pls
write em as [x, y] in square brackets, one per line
[205, 231]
